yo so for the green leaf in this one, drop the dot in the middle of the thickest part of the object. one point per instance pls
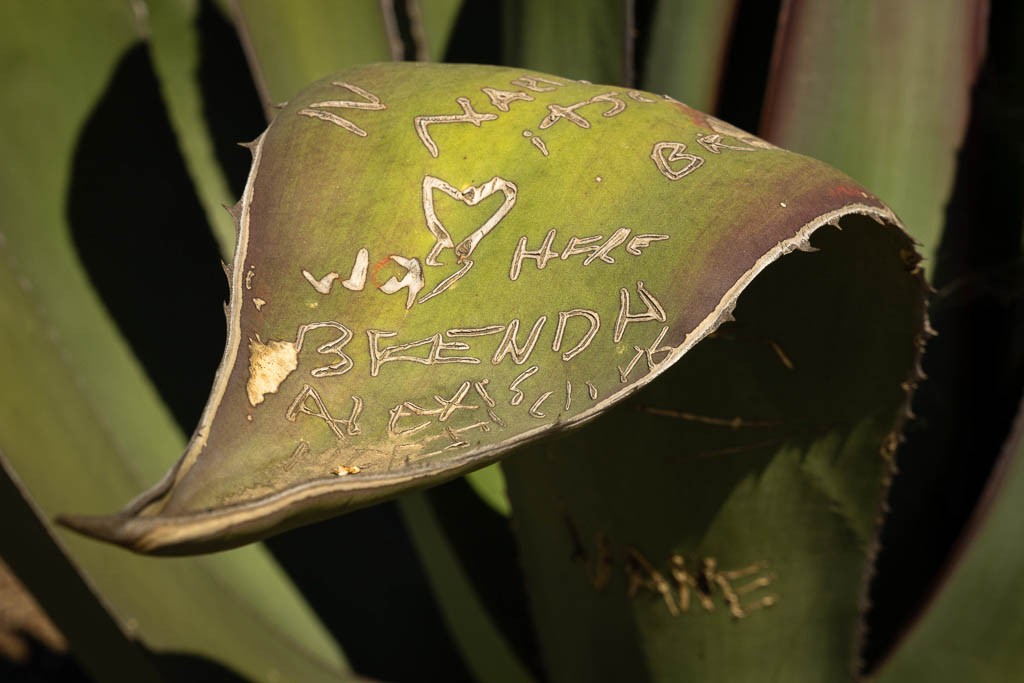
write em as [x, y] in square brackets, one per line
[476, 637]
[489, 484]
[966, 407]
[175, 48]
[580, 39]
[291, 44]
[733, 505]
[973, 628]
[687, 49]
[487, 654]
[372, 349]
[882, 91]
[80, 422]
[432, 23]
[100, 644]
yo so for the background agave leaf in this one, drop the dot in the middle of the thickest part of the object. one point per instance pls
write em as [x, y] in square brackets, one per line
[292, 44]
[431, 24]
[966, 409]
[898, 120]
[687, 49]
[82, 425]
[974, 628]
[30, 550]
[660, 61]
[488, 654]
[882, 91]
[580, 39]
[174, 45]
[489, 484]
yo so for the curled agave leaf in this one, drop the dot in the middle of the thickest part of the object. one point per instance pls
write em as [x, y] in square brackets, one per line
[436, 264]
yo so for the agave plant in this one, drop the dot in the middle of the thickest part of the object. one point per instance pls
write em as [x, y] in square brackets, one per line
[693, 352]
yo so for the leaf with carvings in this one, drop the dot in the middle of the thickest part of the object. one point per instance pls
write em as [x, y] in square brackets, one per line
[437, 264]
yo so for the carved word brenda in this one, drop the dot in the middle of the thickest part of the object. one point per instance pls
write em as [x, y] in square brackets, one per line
[448, 347]
[271, 362]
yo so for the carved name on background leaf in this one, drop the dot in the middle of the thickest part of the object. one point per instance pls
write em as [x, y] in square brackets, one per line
[679, 585]
[703, 580]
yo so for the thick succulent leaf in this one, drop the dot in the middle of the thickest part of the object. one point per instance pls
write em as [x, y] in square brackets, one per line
[431, 23]
[475, 634]
[687, 49]
[174, 44]
[102, 647]
[291, 44]
[579, 38]
[489, 484]
[882, 91]
[80, 423]
[973, 629]
[966, 408]
[437, 264]
[730, 510]
[487, 653]
[162, 603]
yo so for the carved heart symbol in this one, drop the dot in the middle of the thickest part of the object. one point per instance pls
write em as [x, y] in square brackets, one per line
[676, 152]
[471, 197]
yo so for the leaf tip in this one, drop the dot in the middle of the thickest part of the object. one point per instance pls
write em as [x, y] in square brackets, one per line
[101, 527]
